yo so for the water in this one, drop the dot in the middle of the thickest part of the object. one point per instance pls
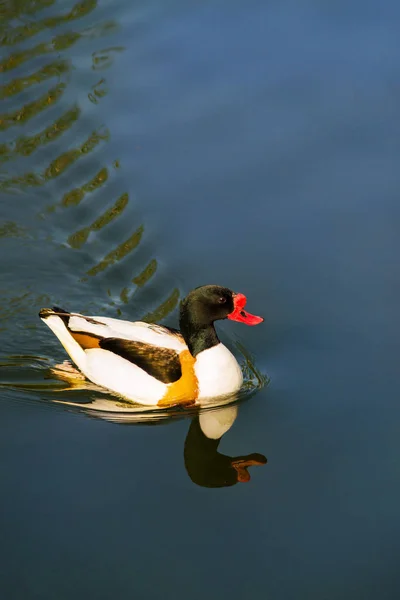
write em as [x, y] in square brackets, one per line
[147, 148]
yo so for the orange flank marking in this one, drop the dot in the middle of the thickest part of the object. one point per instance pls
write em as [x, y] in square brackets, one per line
[186, 389]
[85, 340]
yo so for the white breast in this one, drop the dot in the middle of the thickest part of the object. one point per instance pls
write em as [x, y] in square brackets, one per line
[217, 372]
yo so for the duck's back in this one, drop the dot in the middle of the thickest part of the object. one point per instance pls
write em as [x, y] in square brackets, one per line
[148, 333]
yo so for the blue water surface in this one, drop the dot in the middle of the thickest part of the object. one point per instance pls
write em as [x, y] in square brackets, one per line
[150, 147]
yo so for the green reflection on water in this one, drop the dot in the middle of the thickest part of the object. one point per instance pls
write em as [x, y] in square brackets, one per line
[18, 24]
[76, 240]
[65, 160]
[15, 10]
[11, 307]
[98, 92]
[54, 69]
[58, 165]
[146, 274]
[25, 145]
[164, 309]
[75, 196]
[21, 33]
[11, 229]
[58, 43]
[20, 116]
[140, 280]
[103, 59]
[118, 253]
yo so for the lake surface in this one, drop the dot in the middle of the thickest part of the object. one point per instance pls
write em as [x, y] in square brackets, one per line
[150, 147]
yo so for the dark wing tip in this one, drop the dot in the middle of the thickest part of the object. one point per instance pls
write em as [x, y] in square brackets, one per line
[44, 313]
[58, 309]
[62, 313]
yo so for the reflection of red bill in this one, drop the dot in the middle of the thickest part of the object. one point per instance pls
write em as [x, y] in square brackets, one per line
[240, 315]
[241, 465]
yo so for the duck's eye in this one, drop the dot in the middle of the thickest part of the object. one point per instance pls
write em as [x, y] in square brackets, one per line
[222, 300]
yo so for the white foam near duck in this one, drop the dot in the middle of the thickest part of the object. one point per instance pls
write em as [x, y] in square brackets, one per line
[153, 365]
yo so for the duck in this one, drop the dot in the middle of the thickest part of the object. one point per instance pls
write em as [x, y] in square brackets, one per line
[155, 365]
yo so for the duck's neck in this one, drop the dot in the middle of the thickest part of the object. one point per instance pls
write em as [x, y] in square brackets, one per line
[197, 336]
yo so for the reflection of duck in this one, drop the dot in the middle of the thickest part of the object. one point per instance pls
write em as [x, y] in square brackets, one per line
[155, 365]
[204, 464]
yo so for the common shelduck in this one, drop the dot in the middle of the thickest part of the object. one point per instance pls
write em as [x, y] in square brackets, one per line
[152, 364]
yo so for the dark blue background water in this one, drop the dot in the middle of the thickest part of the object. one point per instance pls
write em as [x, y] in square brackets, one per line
[149, 147]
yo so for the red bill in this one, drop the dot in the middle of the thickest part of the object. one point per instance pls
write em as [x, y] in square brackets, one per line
[241, 315]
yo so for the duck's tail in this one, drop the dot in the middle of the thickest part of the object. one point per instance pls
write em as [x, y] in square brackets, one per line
[58, 319]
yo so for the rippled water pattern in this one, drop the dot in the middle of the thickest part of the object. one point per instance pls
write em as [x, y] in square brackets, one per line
[150, 147]
[61, 172]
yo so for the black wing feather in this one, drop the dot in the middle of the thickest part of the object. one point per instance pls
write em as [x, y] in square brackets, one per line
[161, 363]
